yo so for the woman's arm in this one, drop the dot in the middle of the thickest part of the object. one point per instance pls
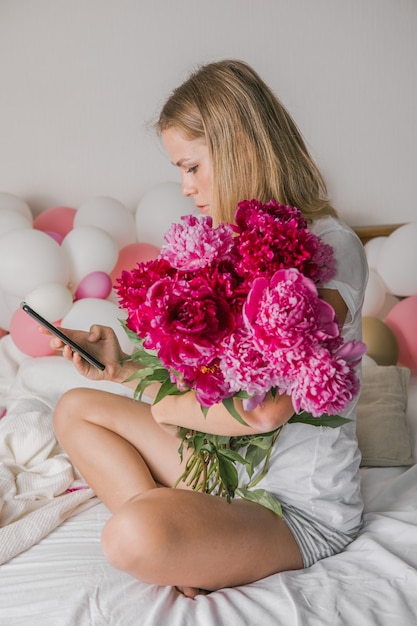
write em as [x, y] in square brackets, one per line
[333, 297]
[185, 411]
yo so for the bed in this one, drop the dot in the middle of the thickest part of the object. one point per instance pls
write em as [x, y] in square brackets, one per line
[53, 572]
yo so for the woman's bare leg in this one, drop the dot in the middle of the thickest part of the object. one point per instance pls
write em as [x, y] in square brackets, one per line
[197, 541]
[116, 444]
[161, 535]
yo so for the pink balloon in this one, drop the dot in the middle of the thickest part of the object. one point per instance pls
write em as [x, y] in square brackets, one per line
[59, 220]
[26, 335]
[131, 255]
[94, 285]
[401, 319]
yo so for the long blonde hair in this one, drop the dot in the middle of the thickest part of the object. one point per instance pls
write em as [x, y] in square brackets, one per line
[256, 149]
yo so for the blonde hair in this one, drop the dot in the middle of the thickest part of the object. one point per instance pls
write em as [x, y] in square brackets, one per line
[256, 149]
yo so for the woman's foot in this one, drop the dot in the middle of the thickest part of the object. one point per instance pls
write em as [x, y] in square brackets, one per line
[191, 592]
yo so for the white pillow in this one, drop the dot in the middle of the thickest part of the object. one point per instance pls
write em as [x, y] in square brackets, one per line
[47, 378]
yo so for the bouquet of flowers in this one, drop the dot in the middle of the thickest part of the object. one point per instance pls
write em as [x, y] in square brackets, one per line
[234, 311]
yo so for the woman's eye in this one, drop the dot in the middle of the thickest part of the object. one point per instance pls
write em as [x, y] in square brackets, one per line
[192, 170]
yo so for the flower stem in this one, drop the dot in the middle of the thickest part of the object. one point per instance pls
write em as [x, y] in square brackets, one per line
[204, 470]
[266, 463]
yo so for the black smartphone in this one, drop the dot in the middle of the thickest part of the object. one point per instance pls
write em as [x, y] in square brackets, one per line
[55, 331]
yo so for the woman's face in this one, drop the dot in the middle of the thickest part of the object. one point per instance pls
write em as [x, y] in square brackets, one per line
[192, 158]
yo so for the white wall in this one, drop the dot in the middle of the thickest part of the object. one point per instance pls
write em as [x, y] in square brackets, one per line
[81, 79]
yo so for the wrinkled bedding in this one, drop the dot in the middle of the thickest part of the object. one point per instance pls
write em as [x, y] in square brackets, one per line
[54, 573]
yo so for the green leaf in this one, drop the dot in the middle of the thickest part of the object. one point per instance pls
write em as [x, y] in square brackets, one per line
[167, 388]
[332, 421]
[262, 497]
[146, 360]
[137, 341]
[183, 432]
[198, 440]
[209, 447]
[254, 456]
[263, 441]
[150, 374]
[160, 375]
[232, 455]
[229, 405]
[219, 440]
[139, 374]
[228, 475]
[140, 388]
[181, 450]
[243, 395]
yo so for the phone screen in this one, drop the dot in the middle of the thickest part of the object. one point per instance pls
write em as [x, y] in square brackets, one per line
[58, 333]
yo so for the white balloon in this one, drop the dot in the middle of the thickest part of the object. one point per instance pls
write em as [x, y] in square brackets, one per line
[373, 249]
[389, 302]
[52, 301]
[158, 209]
[30, 258]
[13, 220]
[7, 308]
[397, 261]
[88, 311]
[14, 203]
[110, 215]
[374, 295]
[89, 249]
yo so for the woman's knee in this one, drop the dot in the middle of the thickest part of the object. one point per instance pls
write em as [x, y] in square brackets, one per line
[137, 538]
[67, 410]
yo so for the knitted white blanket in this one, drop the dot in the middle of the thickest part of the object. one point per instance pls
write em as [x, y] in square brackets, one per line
[39, 486]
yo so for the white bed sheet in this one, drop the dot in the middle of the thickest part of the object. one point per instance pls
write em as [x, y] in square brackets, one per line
[64, 579]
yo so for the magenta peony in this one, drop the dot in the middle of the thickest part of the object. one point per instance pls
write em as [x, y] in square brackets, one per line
[236, 309]
[274, 236]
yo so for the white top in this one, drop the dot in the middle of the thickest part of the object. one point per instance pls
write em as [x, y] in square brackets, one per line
[313, 468]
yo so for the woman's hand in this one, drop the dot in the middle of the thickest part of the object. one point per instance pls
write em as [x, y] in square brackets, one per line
[102, 343]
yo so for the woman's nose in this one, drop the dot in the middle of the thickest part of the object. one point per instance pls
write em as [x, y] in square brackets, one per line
[187, 187]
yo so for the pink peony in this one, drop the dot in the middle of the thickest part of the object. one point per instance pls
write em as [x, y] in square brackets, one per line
[352, 352]
[286, 313]
[243, 366]
[195, 243]
[323, 385]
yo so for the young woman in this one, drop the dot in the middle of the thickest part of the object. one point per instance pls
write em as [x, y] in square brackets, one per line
[231, 140]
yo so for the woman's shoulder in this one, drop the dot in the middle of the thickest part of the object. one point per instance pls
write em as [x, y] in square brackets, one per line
[329, 224]
[343, 239]
[351, 265]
